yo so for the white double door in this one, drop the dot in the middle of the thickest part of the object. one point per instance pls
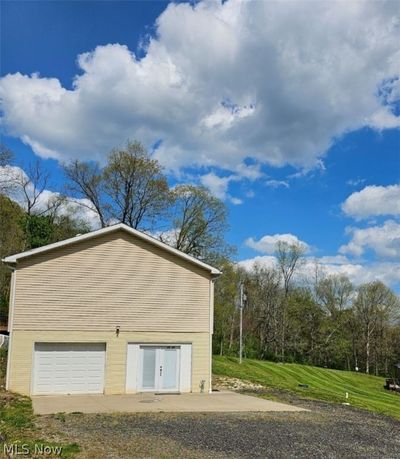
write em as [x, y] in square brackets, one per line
[159, 367]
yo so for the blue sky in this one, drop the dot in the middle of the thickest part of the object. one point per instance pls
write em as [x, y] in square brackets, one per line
[291, 115]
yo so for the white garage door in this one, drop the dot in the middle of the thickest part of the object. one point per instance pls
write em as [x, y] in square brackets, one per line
[69, 368]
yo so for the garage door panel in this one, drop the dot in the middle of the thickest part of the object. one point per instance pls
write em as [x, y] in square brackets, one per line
[69, 368]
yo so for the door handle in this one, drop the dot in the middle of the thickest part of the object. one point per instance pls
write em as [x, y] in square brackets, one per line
[160, 370]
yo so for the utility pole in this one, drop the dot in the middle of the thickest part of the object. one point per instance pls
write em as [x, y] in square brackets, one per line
[241, 324]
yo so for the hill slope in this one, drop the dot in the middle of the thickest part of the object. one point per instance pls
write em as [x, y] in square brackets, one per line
[365, 391]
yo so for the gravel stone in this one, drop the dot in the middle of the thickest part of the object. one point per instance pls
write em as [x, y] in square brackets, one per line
[328, 431]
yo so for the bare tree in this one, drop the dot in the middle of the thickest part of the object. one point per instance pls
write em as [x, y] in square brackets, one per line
[86, 180]
[30, 189]
[6, 155]
[6, 179]
[288, 257]
[32, 185]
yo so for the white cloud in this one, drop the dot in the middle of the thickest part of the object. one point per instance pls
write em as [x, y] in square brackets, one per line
[277, 183]
[249, 171]
[267, 244]
[387, 272]
[236, 201]
[218, 186]
[221, 82]
[384, 240]
[373, 201]
[265, 261]
[355, 182]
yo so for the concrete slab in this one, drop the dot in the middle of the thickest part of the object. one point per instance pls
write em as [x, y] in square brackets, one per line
[141, 403]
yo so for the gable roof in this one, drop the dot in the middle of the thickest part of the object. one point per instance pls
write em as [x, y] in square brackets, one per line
[12, 259]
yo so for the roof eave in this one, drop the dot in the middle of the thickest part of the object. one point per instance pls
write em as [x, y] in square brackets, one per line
[13, 259]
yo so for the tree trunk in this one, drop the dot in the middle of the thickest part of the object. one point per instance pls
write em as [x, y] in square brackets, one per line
[232, 333]
[367, 350]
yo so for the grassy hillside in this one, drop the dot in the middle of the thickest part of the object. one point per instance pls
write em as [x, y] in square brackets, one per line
[331, 385]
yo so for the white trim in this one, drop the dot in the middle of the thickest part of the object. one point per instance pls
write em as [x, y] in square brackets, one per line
[120, 226]
[186, 359]
[134, 366]
[211, 307]
[158, 381]
[10, 324]
[132, 357]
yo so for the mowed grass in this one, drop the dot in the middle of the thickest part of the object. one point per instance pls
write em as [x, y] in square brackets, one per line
[365, 391]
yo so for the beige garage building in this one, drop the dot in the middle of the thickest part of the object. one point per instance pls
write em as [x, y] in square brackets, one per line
[113, 311]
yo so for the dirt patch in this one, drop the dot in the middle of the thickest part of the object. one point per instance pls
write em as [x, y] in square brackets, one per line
[235, 384]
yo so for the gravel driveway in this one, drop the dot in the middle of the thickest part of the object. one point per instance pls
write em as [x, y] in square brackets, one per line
[328, 431]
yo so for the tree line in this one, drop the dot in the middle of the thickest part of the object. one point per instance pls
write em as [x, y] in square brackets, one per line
[325, 320]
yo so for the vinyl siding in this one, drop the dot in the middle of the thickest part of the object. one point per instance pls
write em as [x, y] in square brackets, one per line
[108, 281]
[22, 351]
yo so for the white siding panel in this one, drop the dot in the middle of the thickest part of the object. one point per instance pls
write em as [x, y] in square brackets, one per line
[132, 360]
[113, 280]
[186, 368]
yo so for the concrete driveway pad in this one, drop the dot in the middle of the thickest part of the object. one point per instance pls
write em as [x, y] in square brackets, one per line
[146, 403]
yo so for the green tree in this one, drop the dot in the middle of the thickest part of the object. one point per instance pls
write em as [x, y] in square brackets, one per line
[263, 311]
[225, 308]
[198, 222]
[38, 230]
[12, 240]
[304, 318]
[375, 305]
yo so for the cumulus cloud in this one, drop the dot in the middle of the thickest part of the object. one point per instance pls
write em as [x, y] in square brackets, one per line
[387, 272]
[384, 240]
[221, 82]
[373, 201]
[267, 244]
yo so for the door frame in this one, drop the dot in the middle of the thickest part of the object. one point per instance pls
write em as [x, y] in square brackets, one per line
[158, 380]
[132, 366]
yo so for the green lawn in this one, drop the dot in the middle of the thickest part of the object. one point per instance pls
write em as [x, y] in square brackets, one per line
[17, 423]
[365, 391]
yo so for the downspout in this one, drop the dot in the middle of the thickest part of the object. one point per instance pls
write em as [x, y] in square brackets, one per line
[211, 329]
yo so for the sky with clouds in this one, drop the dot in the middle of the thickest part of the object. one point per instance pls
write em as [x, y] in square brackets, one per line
[288, 111]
